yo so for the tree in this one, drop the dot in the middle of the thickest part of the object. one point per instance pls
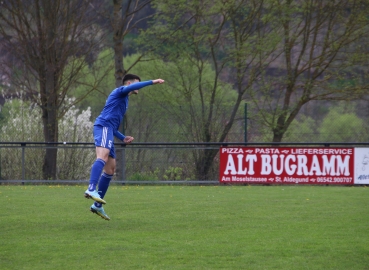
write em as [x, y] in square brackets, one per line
[225, 35]
[125, 19]
[168, 114]
[278, 54]
[317, 57]
[47, 43]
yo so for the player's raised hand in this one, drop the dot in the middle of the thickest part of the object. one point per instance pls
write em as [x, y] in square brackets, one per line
[158, 81]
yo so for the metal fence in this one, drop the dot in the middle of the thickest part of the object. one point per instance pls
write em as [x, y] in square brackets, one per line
[138, 163]
[177, 160]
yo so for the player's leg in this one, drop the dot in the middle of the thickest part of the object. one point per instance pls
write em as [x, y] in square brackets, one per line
[97, 207]
[103, 141]
[104, 182]
[106, 177]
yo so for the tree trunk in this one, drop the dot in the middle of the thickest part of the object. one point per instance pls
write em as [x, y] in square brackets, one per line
[118, 43]
[277, 136]
[204, 163]
[50, 120]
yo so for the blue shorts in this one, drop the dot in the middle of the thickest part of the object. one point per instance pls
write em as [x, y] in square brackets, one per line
[104, 137]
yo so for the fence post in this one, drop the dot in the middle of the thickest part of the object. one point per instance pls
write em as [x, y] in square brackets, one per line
[245, 131]
[23, 145]
[124, 163]
[123, 155]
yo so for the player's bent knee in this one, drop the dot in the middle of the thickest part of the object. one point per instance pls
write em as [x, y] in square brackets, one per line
[109, 168]
[109, 171]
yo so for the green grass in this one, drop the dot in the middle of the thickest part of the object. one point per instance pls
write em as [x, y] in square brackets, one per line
[186, 227]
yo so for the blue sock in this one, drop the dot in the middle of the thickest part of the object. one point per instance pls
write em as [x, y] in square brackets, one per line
[103, 186]
[96, 170]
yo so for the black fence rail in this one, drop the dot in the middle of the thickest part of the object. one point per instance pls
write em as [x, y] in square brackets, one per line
[137, 163]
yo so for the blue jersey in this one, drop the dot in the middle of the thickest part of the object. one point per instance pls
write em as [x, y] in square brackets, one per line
[116, 106]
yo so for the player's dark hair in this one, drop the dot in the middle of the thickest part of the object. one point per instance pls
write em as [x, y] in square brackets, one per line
[130, 77]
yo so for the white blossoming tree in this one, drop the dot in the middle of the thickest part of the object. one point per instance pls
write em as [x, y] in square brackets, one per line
[23, 124]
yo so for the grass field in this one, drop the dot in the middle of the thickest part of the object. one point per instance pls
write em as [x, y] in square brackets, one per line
[186, 227]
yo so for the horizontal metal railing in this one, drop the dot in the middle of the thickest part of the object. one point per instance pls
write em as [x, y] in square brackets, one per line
[324, 144]
[151, 145]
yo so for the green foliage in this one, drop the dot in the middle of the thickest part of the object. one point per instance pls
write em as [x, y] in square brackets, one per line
[22, 122]
[25, 125]
[341, 126]
[186, 99]
[145, 176]
[302, 130]
[173, 173]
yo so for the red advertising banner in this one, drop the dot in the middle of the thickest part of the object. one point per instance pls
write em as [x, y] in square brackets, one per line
[296, 165]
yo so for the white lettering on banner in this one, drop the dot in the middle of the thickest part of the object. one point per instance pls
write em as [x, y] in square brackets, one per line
[315, 166]
[267, 150]
[343, 167]
[249, 179]
[296, 180]
[275, 164]
[240, 171]
[334, 180]
[329, 166]
[290, 169]
[232, 150]
[231, 168]
[320, 151]
[275, 161]
[226, 178]
[230, 165]
[251, 159]
[302, 165]
[266, 167]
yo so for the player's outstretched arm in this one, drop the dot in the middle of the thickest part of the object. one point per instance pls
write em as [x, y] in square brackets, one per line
[158, 81]
[125, 89]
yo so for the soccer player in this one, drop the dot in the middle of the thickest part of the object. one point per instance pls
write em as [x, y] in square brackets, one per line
[105, 128]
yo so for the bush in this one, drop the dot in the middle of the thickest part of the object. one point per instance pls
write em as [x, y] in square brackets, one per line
[145, 176]
[23, 124]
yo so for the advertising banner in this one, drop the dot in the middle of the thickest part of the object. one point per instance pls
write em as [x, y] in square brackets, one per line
[292, 165]
[361, 166]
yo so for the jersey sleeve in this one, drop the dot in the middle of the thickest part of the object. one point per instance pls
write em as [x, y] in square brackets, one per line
[119, 135]
[134, 86]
